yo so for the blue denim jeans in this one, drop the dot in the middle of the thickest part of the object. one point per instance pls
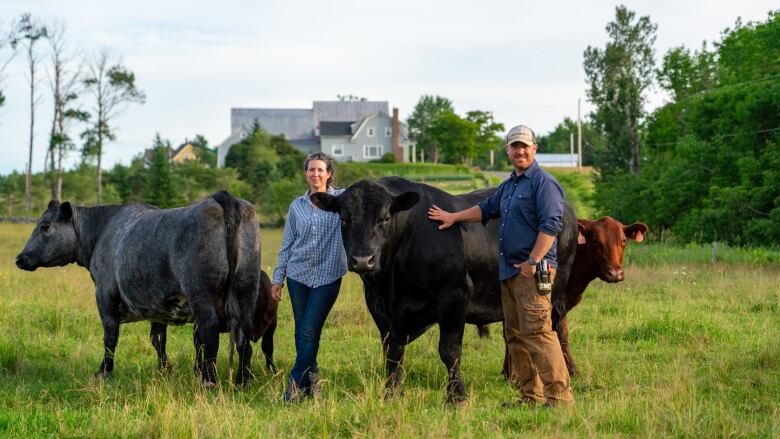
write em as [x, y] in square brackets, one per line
[310, 309]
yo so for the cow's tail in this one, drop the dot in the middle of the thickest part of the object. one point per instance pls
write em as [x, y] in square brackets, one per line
[240, 287]
[230, 210]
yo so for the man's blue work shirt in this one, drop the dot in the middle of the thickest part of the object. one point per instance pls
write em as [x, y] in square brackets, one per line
[527, 204]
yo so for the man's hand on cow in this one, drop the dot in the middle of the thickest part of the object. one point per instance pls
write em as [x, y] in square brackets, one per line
[526, 270]
[436, 213]
[276, 292]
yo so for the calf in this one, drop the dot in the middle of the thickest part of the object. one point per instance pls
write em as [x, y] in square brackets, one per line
[599, 255]
[171, 266]
[263, 326]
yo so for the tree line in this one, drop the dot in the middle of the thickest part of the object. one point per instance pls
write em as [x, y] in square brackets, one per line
[443, 136]
[705, 165]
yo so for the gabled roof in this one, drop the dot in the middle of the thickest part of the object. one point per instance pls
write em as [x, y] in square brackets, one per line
[357, 127]
[296, 124]
[339, 111]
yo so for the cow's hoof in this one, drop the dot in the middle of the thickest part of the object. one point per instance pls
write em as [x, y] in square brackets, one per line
[208, 384]
[392, 392]
[243, 379]
[103, 374]
[456, 401]
[164, 367]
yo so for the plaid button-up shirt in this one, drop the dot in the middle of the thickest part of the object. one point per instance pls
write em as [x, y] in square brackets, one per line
[312, 252]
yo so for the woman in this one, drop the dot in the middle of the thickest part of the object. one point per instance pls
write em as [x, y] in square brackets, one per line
[313, 260]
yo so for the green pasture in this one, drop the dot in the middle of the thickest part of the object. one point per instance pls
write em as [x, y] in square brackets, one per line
[681, 348]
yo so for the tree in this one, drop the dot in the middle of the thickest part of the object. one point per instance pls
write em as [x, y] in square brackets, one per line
[427, 108]
[162, 188]
[618, 77]
[6, 39]
[28, 32]
[454, 136]
[113, 87]
[682, 74]
[487, 132]
[65, 89]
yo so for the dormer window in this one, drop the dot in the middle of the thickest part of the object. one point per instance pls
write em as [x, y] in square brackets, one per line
[388, 131]
[370, 131]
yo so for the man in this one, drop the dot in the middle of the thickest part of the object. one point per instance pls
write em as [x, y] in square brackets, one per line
[530, 205]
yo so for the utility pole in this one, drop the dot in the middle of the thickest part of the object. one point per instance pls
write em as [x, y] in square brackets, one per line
[579, 138]
[571, 148]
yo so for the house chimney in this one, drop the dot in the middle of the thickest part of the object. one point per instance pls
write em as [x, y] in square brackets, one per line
[398, 152]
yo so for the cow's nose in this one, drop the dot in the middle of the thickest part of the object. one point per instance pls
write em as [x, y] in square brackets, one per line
[362, 263]
[616, 274]
[19, 261]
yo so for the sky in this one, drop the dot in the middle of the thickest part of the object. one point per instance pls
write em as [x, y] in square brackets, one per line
[195, 60]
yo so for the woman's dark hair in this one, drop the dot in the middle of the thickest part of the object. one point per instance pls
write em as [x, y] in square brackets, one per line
[330, 164]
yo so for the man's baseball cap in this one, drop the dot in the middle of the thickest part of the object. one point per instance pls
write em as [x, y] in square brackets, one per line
[521, 133]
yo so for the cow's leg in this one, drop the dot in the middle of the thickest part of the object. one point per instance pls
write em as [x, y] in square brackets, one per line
[207, 328]
[244, 373]
[159, 336]
[451, 326]
[267, 345]
[109, 316]
[394, 362]
[562, 329]
[198, 349]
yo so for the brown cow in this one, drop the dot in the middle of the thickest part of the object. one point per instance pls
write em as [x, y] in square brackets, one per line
[599, 255]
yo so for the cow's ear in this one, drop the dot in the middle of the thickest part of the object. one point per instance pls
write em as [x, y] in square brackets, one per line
[405, 201]
[326, 201]
[581, 224]
[65, 213]
[635, 231]
[53, 205]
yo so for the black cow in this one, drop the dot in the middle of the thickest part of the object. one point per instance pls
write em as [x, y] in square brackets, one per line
[263, 326]
[163, 265]
[415, 275]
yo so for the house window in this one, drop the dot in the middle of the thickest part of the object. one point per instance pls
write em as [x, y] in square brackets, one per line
[388, 131]
[337, 150]
[242, 135]
[370, 132]
[372, 151]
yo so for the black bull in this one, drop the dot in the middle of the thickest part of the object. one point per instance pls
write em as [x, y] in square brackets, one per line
[415, 275]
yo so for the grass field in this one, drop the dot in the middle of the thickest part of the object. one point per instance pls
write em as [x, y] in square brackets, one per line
[681, 348]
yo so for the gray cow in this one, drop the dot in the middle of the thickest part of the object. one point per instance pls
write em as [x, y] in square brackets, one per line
[171, 266]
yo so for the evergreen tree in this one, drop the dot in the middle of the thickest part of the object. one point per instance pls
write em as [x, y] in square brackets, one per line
[162, 188]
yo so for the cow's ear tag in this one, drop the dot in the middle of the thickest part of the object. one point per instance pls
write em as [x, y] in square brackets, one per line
[639, 236]
[580, 239]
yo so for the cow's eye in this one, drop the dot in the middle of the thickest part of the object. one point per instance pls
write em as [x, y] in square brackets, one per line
[45, 227]
[386, 220]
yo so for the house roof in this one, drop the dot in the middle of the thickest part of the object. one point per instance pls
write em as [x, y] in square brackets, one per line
[328, 128]
[338, 111]
[295, 124]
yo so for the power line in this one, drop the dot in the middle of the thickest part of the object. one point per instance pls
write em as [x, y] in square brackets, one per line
[768, 130]
[709, 90]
